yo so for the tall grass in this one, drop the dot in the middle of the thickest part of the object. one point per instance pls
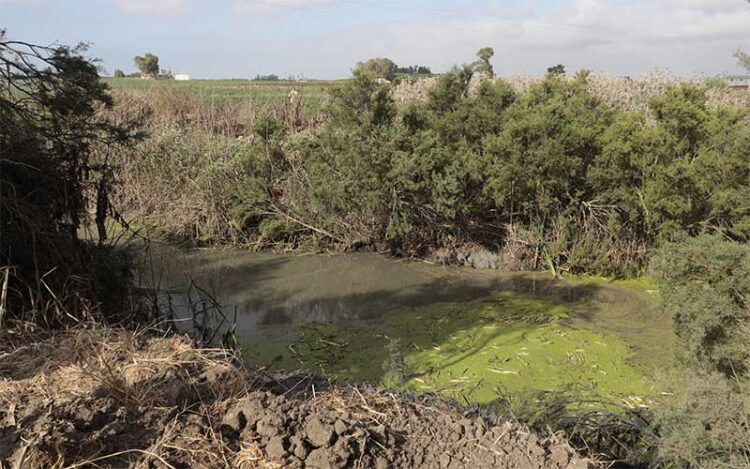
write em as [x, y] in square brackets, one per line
[618, 91]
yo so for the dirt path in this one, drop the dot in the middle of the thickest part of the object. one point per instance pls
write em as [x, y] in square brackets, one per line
[104, 398]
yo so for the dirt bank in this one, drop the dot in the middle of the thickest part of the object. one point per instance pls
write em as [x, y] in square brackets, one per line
[104, 398]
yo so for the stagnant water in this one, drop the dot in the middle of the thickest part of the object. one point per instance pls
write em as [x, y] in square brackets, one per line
[458, 329]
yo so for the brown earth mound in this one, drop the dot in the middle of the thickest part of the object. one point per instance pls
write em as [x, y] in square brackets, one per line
[103, 398]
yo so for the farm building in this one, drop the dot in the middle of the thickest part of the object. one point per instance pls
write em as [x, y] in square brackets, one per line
[181, 77]
[738, 81]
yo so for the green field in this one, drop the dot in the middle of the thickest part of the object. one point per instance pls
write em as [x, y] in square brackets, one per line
[313, 92]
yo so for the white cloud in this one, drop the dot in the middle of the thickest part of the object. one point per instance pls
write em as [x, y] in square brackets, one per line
[152, 7]
[272, 7]
[623, 36]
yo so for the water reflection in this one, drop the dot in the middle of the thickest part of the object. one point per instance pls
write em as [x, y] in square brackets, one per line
[279, 289]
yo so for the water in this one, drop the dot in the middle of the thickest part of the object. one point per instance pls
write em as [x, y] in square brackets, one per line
[286, 289]
[359, 301]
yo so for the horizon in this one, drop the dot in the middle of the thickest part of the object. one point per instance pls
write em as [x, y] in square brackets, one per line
[323, 39]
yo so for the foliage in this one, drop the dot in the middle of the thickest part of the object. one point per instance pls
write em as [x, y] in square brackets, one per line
[119, 74]
[705, 285]
[381, 67]
[558, 69]
[483, 65]
[148, 63]
[708, 425]
[361, 101]
[53, 173]
[414, 70]
[271, 77]
[450, 89]
[552, 170]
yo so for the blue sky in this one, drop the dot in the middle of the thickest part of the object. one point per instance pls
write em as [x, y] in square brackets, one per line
[324, 38]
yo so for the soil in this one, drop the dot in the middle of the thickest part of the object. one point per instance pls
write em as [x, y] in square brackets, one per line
[107, 398]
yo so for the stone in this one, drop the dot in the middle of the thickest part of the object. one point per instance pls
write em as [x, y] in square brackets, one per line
[270, 426]
[276, 448]
[247, 411]
[318, 433]
[299, 448]
[559, 456]
[340, 427]
[319, 459]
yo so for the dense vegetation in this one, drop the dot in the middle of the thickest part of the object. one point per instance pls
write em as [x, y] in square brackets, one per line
[705, 286]
[54, 173]
[551, 176]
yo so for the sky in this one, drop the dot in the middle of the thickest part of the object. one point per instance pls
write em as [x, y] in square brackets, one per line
[325, 38]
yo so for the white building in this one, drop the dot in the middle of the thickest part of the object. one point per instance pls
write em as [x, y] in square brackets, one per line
[738, 81]
[182, 77]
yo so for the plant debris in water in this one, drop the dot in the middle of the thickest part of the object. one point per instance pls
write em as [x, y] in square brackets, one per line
[470, 352]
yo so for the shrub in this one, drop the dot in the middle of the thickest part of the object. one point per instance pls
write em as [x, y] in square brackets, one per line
[705, 285]
[708, 425]
[593, 188]
[361, 100]
[50, 180]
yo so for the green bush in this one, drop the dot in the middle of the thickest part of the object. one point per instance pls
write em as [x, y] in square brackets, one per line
[708, 426]
[552, 171]
[705, 285]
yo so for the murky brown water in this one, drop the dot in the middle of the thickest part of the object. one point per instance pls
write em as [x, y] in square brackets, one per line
[268, 288]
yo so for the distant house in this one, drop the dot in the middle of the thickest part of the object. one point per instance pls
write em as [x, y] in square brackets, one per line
[738, 81]
[182, 77]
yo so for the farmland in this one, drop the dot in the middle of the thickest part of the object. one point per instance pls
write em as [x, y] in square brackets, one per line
[313, 93]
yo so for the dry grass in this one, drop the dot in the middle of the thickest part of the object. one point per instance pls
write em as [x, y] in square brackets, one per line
[618, 91]
[173, 386]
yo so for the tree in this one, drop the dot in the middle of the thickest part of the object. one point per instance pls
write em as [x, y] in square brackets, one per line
[743, 59]
[148, 64]
[381, 67]
[414, 70]
[119, 73]
[483, 65]
[53, 174]
[558, 69]
[271, 77]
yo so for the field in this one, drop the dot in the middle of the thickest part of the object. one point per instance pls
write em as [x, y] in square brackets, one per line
[313, 93]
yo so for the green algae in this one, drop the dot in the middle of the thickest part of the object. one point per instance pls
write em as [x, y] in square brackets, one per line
[469, 351]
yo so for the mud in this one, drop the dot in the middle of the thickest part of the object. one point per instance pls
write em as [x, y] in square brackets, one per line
[116, 399]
